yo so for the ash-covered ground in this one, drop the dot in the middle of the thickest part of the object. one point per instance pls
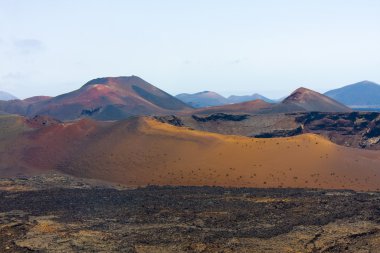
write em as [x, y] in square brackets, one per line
[55, 213]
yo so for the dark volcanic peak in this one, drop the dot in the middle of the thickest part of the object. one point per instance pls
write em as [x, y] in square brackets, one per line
[107, 98]
[300, 94]
[361, 95]
[115, 80]
[134, 86]
[311, 100]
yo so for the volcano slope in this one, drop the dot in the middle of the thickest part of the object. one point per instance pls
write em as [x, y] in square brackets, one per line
[108, 98]
[141, 151]
[32, 146]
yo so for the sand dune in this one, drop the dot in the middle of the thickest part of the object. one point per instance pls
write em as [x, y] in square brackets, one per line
[142, 151]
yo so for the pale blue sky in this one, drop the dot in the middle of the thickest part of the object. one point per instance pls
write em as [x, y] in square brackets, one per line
[231, 47]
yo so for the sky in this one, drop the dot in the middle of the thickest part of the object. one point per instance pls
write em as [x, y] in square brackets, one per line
[232, 47]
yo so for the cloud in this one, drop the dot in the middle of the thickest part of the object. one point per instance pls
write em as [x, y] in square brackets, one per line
[28, 46]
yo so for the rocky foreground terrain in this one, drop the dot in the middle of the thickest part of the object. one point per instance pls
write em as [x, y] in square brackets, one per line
[56, 213]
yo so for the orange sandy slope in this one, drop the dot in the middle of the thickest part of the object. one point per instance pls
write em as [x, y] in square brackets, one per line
[141, 151]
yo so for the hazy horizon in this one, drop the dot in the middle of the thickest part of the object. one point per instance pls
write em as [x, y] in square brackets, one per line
[233, 48]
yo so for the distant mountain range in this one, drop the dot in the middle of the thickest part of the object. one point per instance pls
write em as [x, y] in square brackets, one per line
[5, 96]
[210, 98]
[301, 100]
[364, 94]
[115, 98]
[240, 99]
[203, 99]
[361, 95]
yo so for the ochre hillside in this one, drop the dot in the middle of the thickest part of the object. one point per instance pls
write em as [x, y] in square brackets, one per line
[155, 153]
[142, 151]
